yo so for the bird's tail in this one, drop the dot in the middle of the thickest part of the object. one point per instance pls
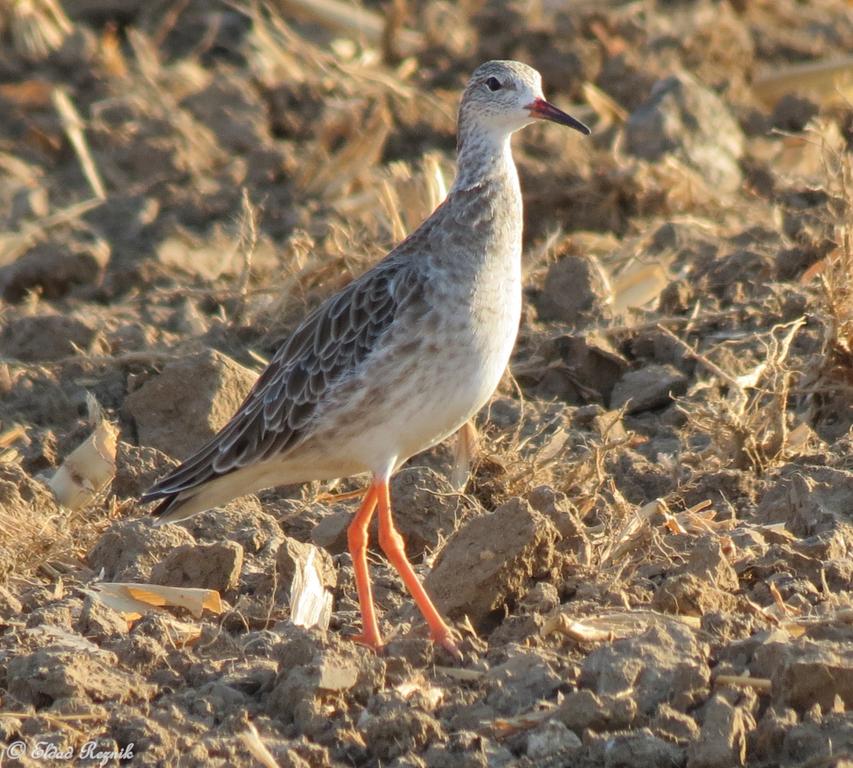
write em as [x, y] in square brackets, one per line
[195, 486]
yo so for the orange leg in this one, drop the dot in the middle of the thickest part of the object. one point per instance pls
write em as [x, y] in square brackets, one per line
[392, 545]
[357, 539]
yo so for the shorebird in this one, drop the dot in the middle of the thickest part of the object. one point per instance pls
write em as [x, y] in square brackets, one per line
[399, 359]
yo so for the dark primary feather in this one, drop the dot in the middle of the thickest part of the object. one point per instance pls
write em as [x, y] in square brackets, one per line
[329, 345]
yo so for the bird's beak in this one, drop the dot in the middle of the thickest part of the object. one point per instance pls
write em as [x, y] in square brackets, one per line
[544, 110]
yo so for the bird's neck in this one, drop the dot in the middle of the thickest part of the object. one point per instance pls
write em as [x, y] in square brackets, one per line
[484, 157]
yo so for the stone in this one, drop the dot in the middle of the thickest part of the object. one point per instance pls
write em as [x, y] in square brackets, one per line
[518, 683]
[675, 726]
[664, 663]
[648, 388]
[575, 291]
[583, 709]
[128, 550]
[722, 741]
[552, 738]
[426, 508]
[55, 267]
[183, 407]
[49, 674]
[292, 556]
[137, 468]
[638, 749]
[202, 566]
[47, 337]
[683, 118]
[488, 563]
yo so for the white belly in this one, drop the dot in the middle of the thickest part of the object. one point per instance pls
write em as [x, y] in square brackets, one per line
[452, 383]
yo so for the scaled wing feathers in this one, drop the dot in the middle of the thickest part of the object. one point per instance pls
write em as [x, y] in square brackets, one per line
[332, 343]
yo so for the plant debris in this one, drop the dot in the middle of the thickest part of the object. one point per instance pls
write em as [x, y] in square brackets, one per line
[643, 541]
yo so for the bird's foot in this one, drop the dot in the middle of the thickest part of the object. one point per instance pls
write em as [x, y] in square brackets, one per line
[371, 640]
[447, 639]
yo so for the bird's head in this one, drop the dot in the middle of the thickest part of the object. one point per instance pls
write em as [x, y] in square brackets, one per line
[503, 96]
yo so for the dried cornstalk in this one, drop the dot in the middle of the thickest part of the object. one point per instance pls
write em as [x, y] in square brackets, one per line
[72, 124]
[37, 27]
[133, 600]
[825, 80]
[90, 467]
[353, 21]
[252, 741]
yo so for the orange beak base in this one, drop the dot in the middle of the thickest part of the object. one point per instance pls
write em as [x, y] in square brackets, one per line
[543, 110]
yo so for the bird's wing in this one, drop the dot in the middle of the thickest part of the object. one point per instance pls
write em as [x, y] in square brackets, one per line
[330, 344]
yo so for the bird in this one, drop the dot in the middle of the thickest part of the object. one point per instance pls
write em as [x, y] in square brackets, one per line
[396, 361]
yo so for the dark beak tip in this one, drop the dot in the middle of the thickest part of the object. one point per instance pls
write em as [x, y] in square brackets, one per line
[544, 110]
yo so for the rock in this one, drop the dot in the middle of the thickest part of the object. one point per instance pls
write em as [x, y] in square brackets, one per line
[707, 582]
[204, 566]
[808, 499]
[55, 268]
[337, 674]
[99, 622]
[426, 508]
[648, 388]
[183, 407]
[137, 468]
[542, 598]
[489, 561]
[812, 673]
[683, 118]
[517, 684]
[674, 726]
[575, 291]
[638, 749]
[664, 663]
[9, 604]
[330, 532]
[54, 673]
[47, 337]
[582, 710]
[580, 367]
[310, 669]
[127, 550]
[242, 520]
[722, 741]
[399, 731]
[552, 738]
[556, 506]
[292, 556]
[768, 738]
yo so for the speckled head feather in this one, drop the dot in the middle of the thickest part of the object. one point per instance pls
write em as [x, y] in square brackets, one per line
[502, 97]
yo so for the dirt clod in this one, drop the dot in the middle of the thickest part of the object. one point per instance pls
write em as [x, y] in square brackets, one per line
[180, 409]
[498, 555]
[204, 566]
[722, 741]
[685, 119]
[648, 388]
[574, 292]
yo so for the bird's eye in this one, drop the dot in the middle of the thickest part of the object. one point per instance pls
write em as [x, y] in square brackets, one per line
[493, 84]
